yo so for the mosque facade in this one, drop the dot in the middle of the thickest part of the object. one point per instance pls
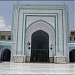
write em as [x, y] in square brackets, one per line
[40, 33]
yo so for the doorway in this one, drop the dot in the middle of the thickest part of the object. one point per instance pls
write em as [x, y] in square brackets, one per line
[6, 54]
[72, 56]
[40, 47]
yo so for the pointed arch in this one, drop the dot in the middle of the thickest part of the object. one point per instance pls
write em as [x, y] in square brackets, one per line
[40, 46]
[40, 25]
[40, 21]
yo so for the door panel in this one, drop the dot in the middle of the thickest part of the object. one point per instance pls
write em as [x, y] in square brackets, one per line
[40, 46]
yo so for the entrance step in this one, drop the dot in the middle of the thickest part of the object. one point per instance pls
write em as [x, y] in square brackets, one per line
[37, 74]
[36, 69]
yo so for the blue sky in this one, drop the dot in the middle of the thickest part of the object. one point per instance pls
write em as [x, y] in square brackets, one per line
[6, 9]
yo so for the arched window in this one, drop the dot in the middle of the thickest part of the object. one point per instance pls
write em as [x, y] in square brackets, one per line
[3, 37]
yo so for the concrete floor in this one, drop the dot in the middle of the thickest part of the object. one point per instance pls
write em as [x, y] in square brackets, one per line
[7, 68]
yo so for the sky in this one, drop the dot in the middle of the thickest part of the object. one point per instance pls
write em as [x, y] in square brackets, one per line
[6, 10]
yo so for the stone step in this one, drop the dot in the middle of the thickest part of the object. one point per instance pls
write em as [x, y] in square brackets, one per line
[37, 74]
[7, 68]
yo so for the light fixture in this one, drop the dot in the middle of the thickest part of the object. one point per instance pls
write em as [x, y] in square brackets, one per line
[28, 43]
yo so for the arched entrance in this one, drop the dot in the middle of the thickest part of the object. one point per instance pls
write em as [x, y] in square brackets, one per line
[5, 55]
[40, 46]
[34, 31]
[72, 55]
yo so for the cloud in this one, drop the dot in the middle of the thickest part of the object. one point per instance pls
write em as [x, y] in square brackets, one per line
[3, 27]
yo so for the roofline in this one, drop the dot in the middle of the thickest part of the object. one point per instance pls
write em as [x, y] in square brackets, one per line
[5, 31]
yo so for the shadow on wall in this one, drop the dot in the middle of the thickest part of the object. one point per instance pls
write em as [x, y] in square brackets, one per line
[5, 55]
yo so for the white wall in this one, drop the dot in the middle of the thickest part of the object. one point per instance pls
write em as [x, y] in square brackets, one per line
[24, 16]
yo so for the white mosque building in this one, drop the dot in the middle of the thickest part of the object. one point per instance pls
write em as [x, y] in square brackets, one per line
[40, 33]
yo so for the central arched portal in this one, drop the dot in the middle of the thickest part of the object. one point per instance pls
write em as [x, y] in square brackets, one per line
[39, 46]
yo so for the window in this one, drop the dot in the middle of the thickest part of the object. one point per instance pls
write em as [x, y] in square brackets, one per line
[70, 38]
[9, 37]
[74, 38]
[72, 33]
[3, 37]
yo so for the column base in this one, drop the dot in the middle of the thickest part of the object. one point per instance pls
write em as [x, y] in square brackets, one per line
[59, 60]
[51, 59]
[28, 59]
[19, 58]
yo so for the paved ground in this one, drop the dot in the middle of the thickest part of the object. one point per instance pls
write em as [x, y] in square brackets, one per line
[7, 68]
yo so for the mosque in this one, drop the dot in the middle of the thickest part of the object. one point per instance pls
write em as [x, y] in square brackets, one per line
[40, 33]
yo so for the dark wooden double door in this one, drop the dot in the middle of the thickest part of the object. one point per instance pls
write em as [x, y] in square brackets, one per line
[40, 47]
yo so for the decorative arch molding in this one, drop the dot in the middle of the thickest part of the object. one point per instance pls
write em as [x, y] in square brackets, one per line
[71, 48]
[39, 21]
[4, 49]
[44, 26]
